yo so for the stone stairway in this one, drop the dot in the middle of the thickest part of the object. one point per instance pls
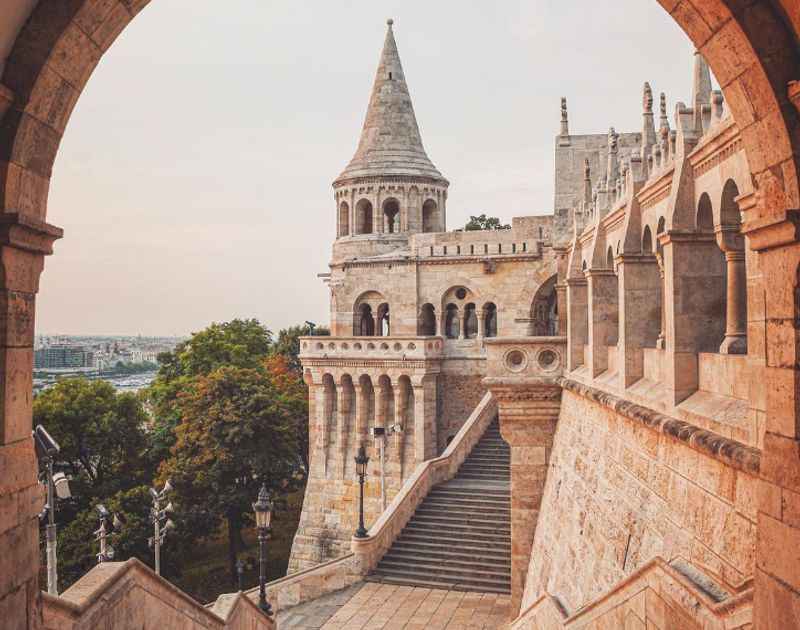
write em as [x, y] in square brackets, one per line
[460, 536]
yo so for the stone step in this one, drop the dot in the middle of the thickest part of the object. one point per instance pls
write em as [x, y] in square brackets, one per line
[461, 552]
[453, 487]
[459, 530]
[449, 559]
[477, 507]
[485, 476]
[435, 584]
[501, 544]
[465, 566]
[437, 532]
[471, 498]
[496, 580]
[488, 468]
[463, 518]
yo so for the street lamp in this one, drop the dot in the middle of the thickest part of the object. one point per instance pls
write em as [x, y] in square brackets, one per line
[263, 509]
[57, 486]
[109, 523]
[161, 523]
[361, 470]
[380, 435]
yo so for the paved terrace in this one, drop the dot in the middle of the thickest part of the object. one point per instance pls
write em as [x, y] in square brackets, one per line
[373, 606]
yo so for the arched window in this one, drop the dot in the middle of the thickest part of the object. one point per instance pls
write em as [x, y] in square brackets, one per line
[427, 320]
[647, 241]
[344, 219]
[705, 215]
[610, 258]
[490, 319]
[430, 216]
[544, 310]
[383, 320]
[391, 216]
[731, 241]
[366, 323]
[363, 217]
[470, 322]
[451, 323]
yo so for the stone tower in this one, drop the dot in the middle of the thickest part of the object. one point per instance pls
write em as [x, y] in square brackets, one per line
[390, 189]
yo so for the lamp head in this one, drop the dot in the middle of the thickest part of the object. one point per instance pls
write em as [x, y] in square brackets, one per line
[61, 484]
[263, 508]
[46, 446]
[361, 461]
[103, 511]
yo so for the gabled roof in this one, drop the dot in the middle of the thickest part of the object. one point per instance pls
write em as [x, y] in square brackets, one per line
[390, 142]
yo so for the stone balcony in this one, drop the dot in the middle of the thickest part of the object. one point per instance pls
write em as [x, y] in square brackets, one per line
[317, 350]
[522, 358]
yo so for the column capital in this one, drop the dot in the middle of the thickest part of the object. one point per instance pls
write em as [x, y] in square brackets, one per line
[523, 389]
[26, 233]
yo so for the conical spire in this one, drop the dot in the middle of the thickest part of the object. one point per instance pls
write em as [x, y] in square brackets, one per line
[390, 142]
[701, 81]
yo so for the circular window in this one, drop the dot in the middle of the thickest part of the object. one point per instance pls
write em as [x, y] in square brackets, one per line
[370, 346]
[305, 345]
[384, 346]
[345, 346]
[461, 293]
[320, 346]
[516, 360]
[356, 346]
[412, 346]
[331, 346]
[547, 359]
[398, 347]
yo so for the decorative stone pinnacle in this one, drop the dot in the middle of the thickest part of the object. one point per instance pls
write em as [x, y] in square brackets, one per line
[662, 106]
[389, 22]
[586, 169]
[647, 99]
[612, 140]
[564, 120]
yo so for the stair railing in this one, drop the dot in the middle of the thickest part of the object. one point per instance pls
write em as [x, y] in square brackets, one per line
[380, 537]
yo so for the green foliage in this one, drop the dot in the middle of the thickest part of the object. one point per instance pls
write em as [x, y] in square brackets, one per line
[240, 343]
[238, 429]
[482, 222]
[104, 450]
[288, 342]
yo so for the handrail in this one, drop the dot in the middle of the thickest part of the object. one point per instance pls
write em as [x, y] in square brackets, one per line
[387, 528]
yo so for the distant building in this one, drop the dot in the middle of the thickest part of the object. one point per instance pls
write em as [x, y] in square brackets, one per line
[59, 357]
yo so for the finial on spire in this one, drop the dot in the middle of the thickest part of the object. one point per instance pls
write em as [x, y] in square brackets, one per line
[647, 99]
[389, 22]
[564, 120]
[612, 140]
[663, 121]
[586, 169]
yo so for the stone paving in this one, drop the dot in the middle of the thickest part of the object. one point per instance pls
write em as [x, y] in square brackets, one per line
[373, 606]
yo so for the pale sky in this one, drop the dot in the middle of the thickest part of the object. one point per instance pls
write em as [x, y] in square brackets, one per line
[194, 180]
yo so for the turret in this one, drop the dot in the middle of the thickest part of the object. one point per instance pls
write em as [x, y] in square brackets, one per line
[390, 188]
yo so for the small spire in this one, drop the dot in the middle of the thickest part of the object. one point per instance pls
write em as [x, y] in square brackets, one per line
[647, 99]
[701, 81]
[587, 182]
[648, 124]
[389, 23]
[662, 106]
[564, 120]
[612, 168]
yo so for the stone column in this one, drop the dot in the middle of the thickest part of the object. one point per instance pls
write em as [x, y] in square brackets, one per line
[343, 407]
[603, 317]
[577, 322]
[528, 409]
[694, 276]
[425, 437]
[731, 242]
[561, 300]
[361, 428]
[661, 341]
[25, 243]
[481, 324]
[460, 319]
[400, 409]
[639, 308]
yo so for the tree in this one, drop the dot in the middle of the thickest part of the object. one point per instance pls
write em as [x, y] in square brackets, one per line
[288, 342]
[242, 343]
[237, 430]
[104, 450]
[483, 222]
[295, 392]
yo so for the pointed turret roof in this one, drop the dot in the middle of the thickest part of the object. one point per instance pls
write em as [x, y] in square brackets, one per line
[390, 142]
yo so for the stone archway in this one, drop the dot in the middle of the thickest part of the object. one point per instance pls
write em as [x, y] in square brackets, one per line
[752, 49]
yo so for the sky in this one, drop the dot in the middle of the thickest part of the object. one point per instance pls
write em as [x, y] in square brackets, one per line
[193, 182]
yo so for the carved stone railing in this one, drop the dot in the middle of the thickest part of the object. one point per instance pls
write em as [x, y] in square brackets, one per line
[657, 595]
[130, 595]
[393, 348]
[368, 551]
[525, 357]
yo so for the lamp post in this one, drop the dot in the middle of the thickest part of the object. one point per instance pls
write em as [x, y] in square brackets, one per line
[263, 509]
[109, 523]
[361, 470]
[161, 523]
[57, 486]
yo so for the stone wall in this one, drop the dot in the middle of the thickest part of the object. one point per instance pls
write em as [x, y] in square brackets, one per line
[626, 486]
[459, 395]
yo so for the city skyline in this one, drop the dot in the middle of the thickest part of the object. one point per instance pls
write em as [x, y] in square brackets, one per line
[255, 181]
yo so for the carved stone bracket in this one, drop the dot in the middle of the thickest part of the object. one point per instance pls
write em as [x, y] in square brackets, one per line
[23, 232]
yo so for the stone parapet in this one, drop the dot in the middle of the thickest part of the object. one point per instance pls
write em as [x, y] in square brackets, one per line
[658, 595]
[369, 550]
[316, 351]
[130, 595]
[523, 357]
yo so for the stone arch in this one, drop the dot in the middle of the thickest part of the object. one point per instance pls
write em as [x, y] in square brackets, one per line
[704, 219]
[344, 219]
[470, 321]
[363, 218]
[731, 241]
[365, 313]
[544, 309]
[647, 240]
[490, 324]
[431, 221]
[728, 208]
[427, 320]
[610, 258]
[391, 215]
[751, 48]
